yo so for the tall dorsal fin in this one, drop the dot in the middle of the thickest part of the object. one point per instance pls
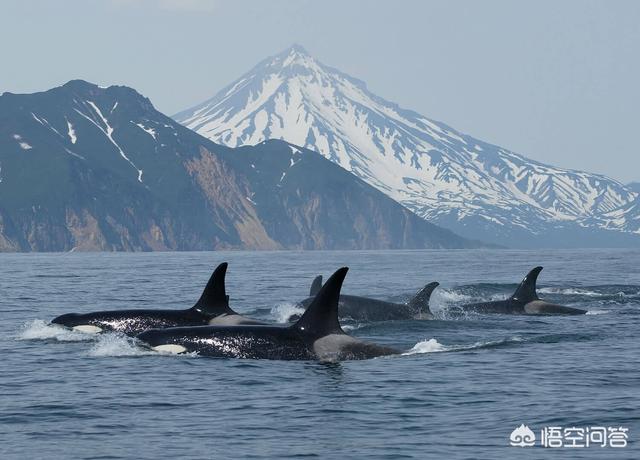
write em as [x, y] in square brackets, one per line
[321, 318]
[214, 300]
[420, 302]
[315, 286]
[527, 289]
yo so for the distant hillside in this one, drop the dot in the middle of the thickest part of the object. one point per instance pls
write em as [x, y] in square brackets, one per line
[90, 168]
[635, 186]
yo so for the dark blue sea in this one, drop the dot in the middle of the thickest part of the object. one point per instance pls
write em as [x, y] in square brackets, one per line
[463, 386]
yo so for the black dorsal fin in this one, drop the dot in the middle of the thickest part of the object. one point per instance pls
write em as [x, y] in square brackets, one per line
[214, 300]
[321, 318]
[420, 302]
[527, 289]
[315, 286]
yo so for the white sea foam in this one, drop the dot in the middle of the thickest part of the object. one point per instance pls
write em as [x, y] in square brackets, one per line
[433, 346]
[351, 327]
[43, 330]
[597, 312]
[447, 296]
[117, 345]
[443, 303]
[570, 291]
[283, 311]
[426, 346]
[498, 296]
[442, 299]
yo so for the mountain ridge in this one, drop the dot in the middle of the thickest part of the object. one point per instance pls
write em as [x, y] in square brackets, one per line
[84, 167]
[476, 188]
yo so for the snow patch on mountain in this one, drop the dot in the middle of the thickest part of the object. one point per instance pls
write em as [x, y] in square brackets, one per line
[71, 132]
[108, 131]
[23, 145]
[150, 131]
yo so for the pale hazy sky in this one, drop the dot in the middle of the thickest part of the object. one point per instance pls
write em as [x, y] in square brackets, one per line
[557, 81]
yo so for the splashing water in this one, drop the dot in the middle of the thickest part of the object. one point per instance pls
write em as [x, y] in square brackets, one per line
[283, 311]
[43, 330]
[570, 291]
[442, 298]
[433, 346]
[426, 346]
[117, 345]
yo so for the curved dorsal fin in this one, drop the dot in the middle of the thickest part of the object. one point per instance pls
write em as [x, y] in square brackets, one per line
[321, 318]
[214, 300]
[315, 286]
[420, 302]
[527, 289]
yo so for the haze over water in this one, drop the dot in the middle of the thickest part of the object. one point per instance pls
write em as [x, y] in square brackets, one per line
[463, 387]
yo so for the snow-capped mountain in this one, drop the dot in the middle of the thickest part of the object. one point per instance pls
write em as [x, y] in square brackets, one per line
[90, 168]
[450, 178]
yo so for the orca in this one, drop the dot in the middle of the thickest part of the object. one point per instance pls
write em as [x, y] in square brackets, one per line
[359, 308]
[211, 308]
[524, 301]
[317, 335]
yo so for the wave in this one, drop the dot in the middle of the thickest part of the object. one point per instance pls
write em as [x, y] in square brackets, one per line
[605, 292]
[352, 327]
[433, 346]
[425, 346]
[282, 312]
[442, 299]
[570, 291]
[113, 344]
[597, 312]
[43, 330]
[447, 296]
[119, 345]
[467, 293]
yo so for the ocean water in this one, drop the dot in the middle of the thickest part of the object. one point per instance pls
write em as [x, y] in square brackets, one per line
[463, 385]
